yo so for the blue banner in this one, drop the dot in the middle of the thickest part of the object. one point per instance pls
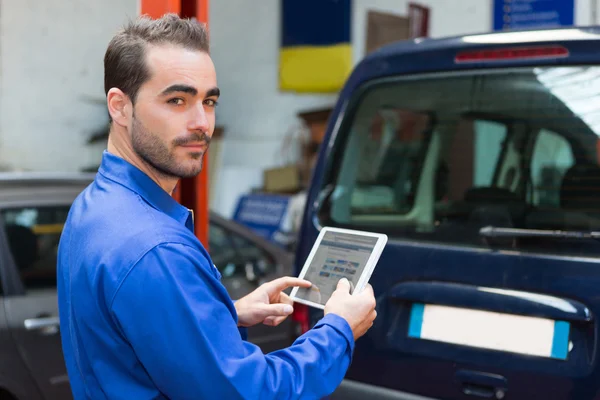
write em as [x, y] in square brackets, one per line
[531, 14]
[263, 213]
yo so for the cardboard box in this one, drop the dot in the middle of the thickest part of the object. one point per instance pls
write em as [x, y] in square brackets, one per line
[284, 179]
[384, 28]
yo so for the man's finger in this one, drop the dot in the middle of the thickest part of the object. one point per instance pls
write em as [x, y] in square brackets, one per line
[277, 310]
[285, 299]
[278, 320]
[280, 284]
[343, 284]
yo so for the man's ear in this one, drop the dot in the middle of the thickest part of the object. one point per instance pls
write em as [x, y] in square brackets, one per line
[119, 106]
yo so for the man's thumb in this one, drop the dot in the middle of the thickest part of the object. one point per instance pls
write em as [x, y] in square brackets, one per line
[343, 284]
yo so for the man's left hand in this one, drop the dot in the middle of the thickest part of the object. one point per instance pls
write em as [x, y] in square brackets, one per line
[268, 304]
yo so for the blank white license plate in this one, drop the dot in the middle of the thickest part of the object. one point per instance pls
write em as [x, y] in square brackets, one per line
[490, 330]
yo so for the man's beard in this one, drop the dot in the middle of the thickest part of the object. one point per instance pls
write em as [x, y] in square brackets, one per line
[159, 156]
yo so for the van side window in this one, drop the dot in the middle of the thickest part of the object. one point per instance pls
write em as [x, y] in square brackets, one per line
[552, 157]
[488, 142]
[381, 166]
[471, 155]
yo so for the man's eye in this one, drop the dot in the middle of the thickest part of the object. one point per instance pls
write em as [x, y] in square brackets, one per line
[210, 102]
[177, 101]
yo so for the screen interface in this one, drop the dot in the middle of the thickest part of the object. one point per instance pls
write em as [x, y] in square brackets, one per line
[340, 255]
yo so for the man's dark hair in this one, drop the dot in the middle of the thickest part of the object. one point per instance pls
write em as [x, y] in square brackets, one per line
[125, 59]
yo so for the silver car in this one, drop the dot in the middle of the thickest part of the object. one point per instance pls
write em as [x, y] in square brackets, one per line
[33, 209]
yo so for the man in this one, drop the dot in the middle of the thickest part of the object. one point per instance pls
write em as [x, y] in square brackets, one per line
[142, 309]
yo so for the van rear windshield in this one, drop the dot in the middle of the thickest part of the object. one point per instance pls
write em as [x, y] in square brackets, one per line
[438, 157]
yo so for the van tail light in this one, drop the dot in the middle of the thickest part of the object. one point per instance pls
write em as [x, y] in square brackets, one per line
[301, 317]
[511, 53]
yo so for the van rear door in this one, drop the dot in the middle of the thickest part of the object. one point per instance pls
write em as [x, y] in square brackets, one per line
[487, 183]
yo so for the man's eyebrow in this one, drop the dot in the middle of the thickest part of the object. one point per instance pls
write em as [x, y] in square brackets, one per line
[180, 88]
[213, 92]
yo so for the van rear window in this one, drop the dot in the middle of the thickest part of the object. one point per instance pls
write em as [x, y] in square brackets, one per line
[439, 157]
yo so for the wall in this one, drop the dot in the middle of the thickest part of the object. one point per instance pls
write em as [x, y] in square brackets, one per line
[257, 117]
[51, 79]
[51, 94]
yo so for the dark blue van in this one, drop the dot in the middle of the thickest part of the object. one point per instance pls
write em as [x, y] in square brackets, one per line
[479, 157]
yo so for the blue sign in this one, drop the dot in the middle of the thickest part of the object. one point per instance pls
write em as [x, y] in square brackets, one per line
[263, 213]
[531, 14]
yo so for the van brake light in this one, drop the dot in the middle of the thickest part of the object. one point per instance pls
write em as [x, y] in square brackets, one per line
[511, 53]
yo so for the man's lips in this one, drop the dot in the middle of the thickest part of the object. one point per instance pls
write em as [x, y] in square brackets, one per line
[196, 146]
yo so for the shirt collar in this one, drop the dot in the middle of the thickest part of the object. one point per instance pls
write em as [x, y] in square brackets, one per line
[117, 169]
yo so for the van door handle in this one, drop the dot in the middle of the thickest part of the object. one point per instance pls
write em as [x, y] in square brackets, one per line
[482, 384]
[491, 299]
[46, 325]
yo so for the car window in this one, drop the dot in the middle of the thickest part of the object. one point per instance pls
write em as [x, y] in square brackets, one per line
[386, 160]
[235, 255]
[552, 157]
[439, 158]
[487, 144]
[33, 235]
[470, 160]
[257, 261]
[222, 251]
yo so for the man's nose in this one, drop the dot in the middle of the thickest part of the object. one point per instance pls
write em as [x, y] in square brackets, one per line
[199, 121]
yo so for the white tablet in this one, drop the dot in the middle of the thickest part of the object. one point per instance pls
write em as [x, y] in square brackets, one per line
[336, 254]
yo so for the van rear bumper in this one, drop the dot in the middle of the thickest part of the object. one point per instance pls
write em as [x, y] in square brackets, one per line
[353, 390]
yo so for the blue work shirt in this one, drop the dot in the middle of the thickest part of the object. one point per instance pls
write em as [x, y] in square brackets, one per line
[144, 315]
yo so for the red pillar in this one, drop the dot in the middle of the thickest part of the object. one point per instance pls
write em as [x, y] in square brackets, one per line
[157, 8]
[191, 192]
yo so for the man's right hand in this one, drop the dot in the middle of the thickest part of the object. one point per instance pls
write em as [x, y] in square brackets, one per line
[358, 310]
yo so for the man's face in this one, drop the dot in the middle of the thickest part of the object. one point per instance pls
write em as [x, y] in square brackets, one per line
[174, 113]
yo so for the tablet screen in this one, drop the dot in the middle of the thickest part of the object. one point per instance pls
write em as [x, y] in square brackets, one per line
[339, 255]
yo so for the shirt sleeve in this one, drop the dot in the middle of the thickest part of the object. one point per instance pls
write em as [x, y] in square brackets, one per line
[182, 325]
[243, 331]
